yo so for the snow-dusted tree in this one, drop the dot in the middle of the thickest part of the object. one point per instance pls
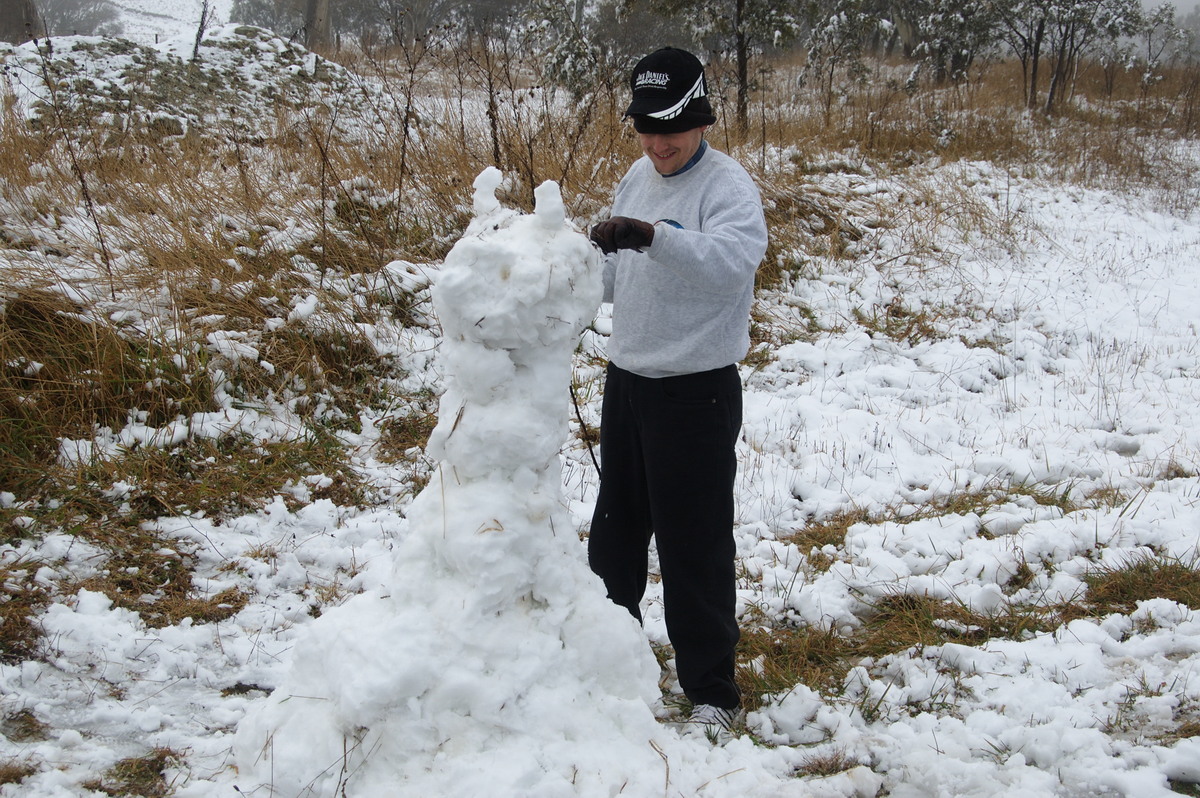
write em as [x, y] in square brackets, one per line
[1076, 27]
[836, 43]
[590, 50]
[1023, 26]
[491, 51]
[1062, 31]
[19, 21]
[83, 17]
[949, 34]
[315, 23]
[1190, 23]
[1162, 39]
[1114, 57]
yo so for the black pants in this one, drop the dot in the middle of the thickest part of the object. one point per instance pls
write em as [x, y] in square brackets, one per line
[667, 455]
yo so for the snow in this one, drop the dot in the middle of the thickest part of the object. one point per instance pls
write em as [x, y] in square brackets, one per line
[476, 654]
[153, 21]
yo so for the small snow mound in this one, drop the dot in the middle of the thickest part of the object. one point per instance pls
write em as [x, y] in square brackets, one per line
[549, 205]
[485, 192]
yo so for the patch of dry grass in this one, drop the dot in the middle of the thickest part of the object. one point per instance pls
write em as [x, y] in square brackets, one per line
[900, 323]
[151, 576]
[144, 776]
[1119, 588]
[63, 373]
[14, 771]
[831, 529]
[773, 658]
[829, 763]
[828, 531]
[774, 655]
[23, 726]
[400, 433]
[21, 598]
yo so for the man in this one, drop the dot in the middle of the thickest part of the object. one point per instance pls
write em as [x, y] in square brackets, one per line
[685, 239]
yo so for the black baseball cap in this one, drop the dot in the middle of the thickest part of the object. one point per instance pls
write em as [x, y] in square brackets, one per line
[670, 94]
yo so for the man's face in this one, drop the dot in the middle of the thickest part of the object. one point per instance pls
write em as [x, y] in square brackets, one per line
[670, 151]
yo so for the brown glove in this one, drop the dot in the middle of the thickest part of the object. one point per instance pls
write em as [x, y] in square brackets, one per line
[621, 232]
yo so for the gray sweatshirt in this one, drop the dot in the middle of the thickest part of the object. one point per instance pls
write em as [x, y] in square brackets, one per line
[683, 305]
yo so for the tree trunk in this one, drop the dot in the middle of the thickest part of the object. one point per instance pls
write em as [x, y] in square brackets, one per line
[19, 21]
[1034, 55]
[1062, 64]
[316, 24]
[742, 48]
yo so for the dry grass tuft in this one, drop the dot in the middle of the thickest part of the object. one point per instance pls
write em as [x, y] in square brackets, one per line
[901, 621]
[14, 771]
[826, 764]
[143, 776]
[23, 727]
[399, 434]
[1119, 588]
[773, 658]
[143, 573]
[21, 598]
[775, 655]
[902, 324]
[829, 531]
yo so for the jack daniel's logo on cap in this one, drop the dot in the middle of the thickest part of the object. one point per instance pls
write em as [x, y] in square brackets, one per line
[658, 80]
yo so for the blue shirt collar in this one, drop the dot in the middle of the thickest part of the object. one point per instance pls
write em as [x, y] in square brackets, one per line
[695, 159]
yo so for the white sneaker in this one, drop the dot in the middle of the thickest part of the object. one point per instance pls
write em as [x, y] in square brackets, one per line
[711, 721]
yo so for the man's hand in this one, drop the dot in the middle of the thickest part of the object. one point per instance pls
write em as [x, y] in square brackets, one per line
[621, 232]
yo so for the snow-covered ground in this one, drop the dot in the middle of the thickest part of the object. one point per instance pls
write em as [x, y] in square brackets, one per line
[151, 21]
[1066, 358]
